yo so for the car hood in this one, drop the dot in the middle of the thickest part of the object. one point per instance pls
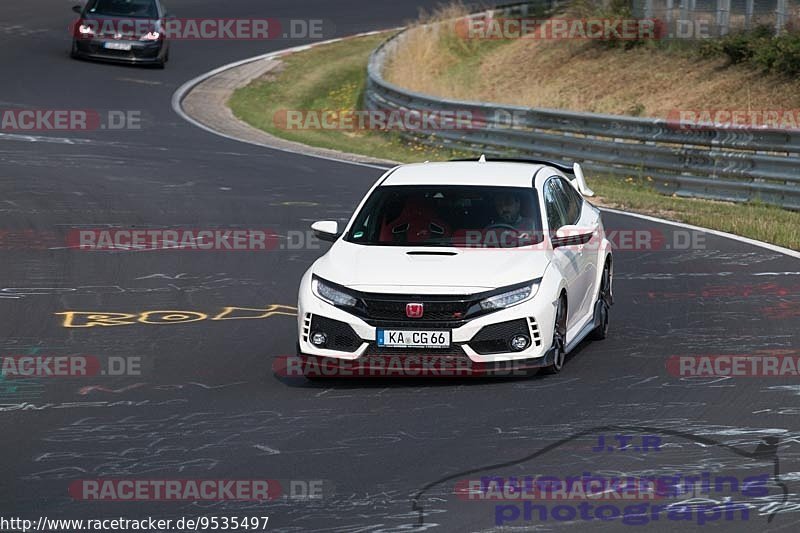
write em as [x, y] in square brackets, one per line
[421, 270]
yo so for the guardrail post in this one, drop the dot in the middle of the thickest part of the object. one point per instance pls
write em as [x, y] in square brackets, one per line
[780, 15]
[685, 26]
[670, 6]
[723, 17]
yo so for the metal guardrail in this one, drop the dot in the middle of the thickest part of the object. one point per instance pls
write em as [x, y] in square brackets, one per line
[716, 163]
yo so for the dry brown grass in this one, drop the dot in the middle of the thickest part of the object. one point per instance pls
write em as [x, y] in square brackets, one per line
[425, 43]
[578, 75]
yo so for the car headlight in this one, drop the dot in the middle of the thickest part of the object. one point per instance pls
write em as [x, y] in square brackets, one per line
[150, 36]
[509, 298]
[330, 294]
[83, 29]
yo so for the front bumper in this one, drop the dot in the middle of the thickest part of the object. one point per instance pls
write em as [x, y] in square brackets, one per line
[478, 341]
[140, 52]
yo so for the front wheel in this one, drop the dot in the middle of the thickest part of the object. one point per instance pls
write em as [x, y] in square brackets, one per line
[559, 339]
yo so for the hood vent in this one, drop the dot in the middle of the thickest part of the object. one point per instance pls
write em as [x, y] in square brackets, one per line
[432, 253]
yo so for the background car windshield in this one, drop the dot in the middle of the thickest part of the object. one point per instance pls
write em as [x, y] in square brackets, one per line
[479, 216]
[124, 8]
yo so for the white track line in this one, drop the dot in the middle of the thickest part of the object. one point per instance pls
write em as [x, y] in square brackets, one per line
[179, 95]
[752, 242]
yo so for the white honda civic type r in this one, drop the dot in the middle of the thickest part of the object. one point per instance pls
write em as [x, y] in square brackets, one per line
[483, 261]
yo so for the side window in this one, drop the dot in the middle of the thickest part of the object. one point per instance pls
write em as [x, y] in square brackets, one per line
[554, 205]
[573, 201]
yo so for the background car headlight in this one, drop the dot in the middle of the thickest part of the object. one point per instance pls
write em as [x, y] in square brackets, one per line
[330, 294]
[512, 297]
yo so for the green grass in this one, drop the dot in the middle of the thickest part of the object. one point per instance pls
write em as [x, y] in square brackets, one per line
[333, 77]
[757, 221]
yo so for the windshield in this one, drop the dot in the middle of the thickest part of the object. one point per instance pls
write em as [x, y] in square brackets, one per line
[463, 216]
[124, 8]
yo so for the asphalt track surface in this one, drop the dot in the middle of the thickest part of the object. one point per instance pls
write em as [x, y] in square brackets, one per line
[207, 404]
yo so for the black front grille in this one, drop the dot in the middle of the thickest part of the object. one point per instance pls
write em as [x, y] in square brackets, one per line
[494, 337]
[409, 323]
[442, 311]
[341, 336]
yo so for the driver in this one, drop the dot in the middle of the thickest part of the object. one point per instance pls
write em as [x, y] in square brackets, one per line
[507, 206]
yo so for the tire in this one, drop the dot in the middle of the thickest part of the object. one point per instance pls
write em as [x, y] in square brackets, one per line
[602, 306]
[559, 338]
[73, 53]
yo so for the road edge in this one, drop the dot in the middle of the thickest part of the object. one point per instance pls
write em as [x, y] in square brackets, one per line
[225, 123]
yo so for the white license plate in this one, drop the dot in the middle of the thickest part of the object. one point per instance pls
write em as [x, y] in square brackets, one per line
[395, 338]
[118, 46]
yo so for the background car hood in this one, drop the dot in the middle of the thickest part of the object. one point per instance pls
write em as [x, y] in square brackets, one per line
[450, 271]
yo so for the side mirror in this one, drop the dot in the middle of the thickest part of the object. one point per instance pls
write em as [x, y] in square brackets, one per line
[326, 230]
[571, 235]
[77, 9]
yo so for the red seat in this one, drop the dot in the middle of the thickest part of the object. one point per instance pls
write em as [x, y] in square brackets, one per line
[418, 222]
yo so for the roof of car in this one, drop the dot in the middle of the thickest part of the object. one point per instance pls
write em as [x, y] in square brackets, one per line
[503, 174]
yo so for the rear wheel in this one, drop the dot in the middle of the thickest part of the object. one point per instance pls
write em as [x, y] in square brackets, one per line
[603, 304]
[559, 338]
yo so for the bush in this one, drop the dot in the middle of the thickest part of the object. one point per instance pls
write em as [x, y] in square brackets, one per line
[759, 47]
[780, 54]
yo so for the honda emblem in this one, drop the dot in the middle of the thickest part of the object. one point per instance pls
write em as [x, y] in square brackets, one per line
[414, 310]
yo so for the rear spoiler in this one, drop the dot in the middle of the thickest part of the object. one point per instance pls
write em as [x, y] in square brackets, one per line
[574, 172]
